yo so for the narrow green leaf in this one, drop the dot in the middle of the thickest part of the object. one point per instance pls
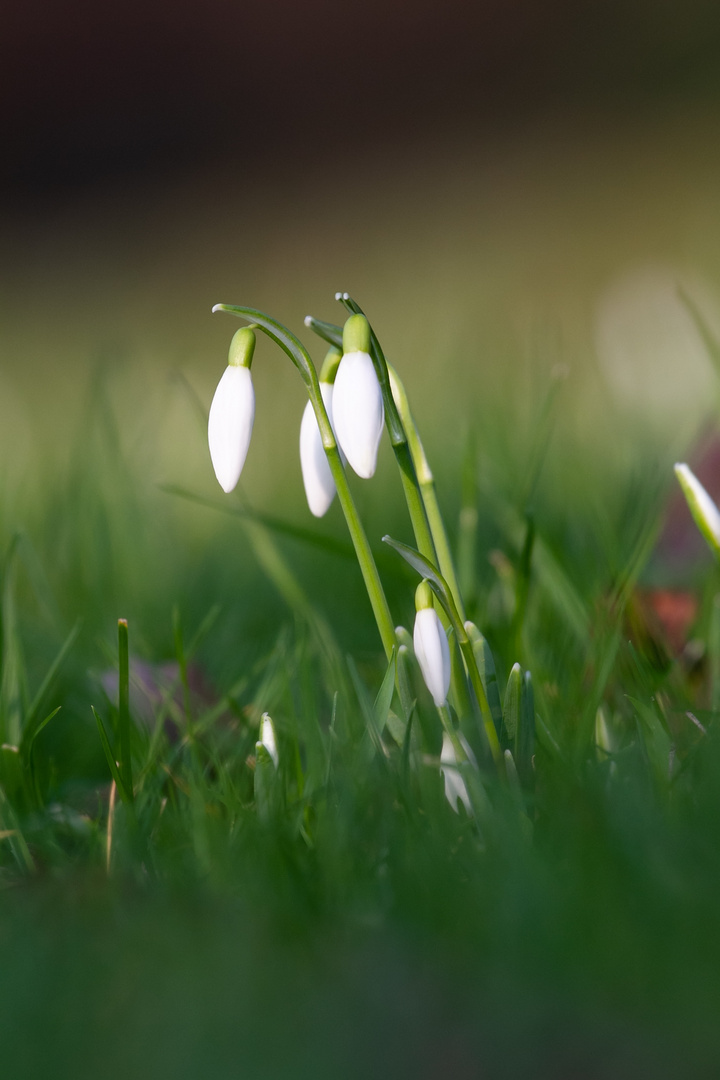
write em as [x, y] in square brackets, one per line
[437, 583]
[516, 792]
[547, 739]
[372, 735]
[110, 757]
[202, 631]
[525, 735]
[124, 706]
[407, 742]
[383, 700]
[29, 737]
[276, 332]
[327, 544]
[488, 674]
[30, 727]
[468, 526]
[327, 331]
[265, 784]
[511, 705]
[655, 740]
[522, 586]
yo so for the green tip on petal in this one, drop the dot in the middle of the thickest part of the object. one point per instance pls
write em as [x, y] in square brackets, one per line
[356, 335]
[423, 596]
[330, 365]
[242, 348]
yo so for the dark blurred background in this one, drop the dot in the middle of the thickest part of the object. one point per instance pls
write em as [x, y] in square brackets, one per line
[91, 92]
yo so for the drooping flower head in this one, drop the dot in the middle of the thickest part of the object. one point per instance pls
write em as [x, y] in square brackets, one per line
[431, 645]
[232, 412]
[317, 477]
[357, 399]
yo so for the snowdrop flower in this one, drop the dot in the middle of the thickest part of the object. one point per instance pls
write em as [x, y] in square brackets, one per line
[267, 738]
[455, 788]
[702, 507]
[232, 412]
[431, 645]
[317, 477]
[357, 400]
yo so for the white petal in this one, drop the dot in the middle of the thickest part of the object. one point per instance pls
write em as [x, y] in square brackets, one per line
[317, 477]
[358, 412]
[701, 504]
[267, 738]
[455, 788]
[230, 424]
[433, 653]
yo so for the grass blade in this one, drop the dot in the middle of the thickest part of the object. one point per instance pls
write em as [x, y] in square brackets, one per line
[525, 737]
[110, 757]
[30, 727]
[383, 700]
[511, 705]
[488, 673]
[328, 544]
[124, 706]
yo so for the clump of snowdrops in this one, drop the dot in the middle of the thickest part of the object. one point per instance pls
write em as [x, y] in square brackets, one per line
[355, 396]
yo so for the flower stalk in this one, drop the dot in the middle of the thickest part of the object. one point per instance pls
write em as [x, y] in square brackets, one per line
[426, 482]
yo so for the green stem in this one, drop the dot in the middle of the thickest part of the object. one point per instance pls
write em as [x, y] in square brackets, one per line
[415, 502]
[426, 483]
[471, 664]
[300, 357]
[369, 570]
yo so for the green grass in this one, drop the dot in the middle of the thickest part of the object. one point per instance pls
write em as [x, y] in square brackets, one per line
[336, 917]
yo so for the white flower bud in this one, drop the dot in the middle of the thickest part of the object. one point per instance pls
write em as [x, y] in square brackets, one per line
[455, 788]
[433, 653]
[267, 738]
[358, 412]
[317, 477]
[230, 425]
[702, 507]
[232, 412]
